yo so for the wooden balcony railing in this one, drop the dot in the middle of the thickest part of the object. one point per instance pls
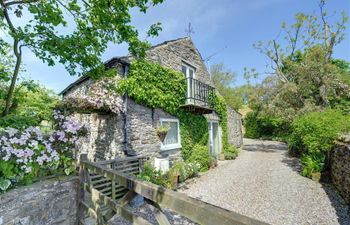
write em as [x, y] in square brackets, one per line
[199, 97]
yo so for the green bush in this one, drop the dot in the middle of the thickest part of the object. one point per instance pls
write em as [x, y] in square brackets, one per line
[201, 155]
[231, 152]
[32, 104]
[258, 125]
[316, 131]
[313, 136]
[312, 164]
[151, 174]
[182, 170]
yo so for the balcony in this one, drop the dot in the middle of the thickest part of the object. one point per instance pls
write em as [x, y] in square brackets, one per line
[199, 97]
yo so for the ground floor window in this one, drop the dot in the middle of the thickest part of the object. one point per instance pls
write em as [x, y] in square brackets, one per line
[172, 139]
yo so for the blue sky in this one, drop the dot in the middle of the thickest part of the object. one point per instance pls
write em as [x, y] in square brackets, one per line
[228, 27]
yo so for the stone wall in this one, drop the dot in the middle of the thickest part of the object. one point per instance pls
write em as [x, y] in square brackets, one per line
[106, 136]
[234, 127]
[143, 122]
[340, 170]
[174, 54]
[43, 203]
[106, 139]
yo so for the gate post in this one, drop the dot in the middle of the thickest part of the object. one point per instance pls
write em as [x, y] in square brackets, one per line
[81, 193]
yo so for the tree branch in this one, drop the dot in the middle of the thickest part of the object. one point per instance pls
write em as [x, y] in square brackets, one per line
[277, 62]
[20, 2]
[7, 17]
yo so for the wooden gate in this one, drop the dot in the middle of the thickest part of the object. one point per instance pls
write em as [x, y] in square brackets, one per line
[106, 187]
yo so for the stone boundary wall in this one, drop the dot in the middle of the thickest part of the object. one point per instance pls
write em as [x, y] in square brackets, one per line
[234, 127]
[50, 202]
[340, 170]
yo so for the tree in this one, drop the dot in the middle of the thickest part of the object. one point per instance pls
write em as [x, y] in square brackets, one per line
[305, 77]
[308, 31]
[223, 80]
[72, 32]
[32, 103]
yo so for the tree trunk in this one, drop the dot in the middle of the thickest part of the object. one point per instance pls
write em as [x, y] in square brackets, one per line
[9, 97]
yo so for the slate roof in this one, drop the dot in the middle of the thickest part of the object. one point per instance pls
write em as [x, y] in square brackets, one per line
[124, 60]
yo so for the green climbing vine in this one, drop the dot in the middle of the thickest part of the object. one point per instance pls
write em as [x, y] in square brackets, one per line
[152, 85]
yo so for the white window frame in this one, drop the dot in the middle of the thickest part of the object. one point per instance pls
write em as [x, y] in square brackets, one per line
[188, 68]
[175, 145]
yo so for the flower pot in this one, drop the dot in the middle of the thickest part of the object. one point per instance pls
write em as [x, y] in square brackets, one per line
[222, 156]
[161, 136]
[176, 181]
[316, 176]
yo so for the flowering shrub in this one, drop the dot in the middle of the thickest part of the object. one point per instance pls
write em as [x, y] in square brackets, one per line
[101, 96]
[201, 155]
[186, 170]
[30, 153]
[181, 170]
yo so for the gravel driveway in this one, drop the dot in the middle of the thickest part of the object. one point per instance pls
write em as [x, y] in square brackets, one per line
[263, 183]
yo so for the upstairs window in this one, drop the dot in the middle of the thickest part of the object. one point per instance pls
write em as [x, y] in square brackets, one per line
[188, 71]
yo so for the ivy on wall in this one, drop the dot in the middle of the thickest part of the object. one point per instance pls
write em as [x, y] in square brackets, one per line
[154, 86]
[221, 109]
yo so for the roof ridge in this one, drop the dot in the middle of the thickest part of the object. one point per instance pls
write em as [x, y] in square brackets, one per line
[170, 41]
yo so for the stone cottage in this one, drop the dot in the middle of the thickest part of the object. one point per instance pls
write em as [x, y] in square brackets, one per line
[134, 131]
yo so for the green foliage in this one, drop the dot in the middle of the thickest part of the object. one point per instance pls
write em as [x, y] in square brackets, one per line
[194, 131]
[179, 172]
[155, 86]
[315, 132]
[312, 164]
[260, 125]
[32, 104]
[231, 152]
[201, 155]
[221, 110]
[89, 27]
[185, 170]
[151, 174]
[313, 136]
[305, 77]
[223, 80]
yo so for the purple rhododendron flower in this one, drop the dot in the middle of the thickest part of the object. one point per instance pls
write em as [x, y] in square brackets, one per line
[22, 146]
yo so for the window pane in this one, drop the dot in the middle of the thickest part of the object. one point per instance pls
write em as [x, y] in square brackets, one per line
[183, 69]
[172, 135]
[190, 73]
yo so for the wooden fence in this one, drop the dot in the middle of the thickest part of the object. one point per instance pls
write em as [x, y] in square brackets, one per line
[106, 187]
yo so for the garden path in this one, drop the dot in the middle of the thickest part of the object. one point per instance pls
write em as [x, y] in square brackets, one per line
[263, 183]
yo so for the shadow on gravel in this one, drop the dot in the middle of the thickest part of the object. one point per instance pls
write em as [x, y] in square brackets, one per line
[292, 162]
[338, 203]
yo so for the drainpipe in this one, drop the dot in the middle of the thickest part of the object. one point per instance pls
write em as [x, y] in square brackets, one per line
[126, 147]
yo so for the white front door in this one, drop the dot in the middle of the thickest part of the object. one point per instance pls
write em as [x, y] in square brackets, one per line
[214, 144]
